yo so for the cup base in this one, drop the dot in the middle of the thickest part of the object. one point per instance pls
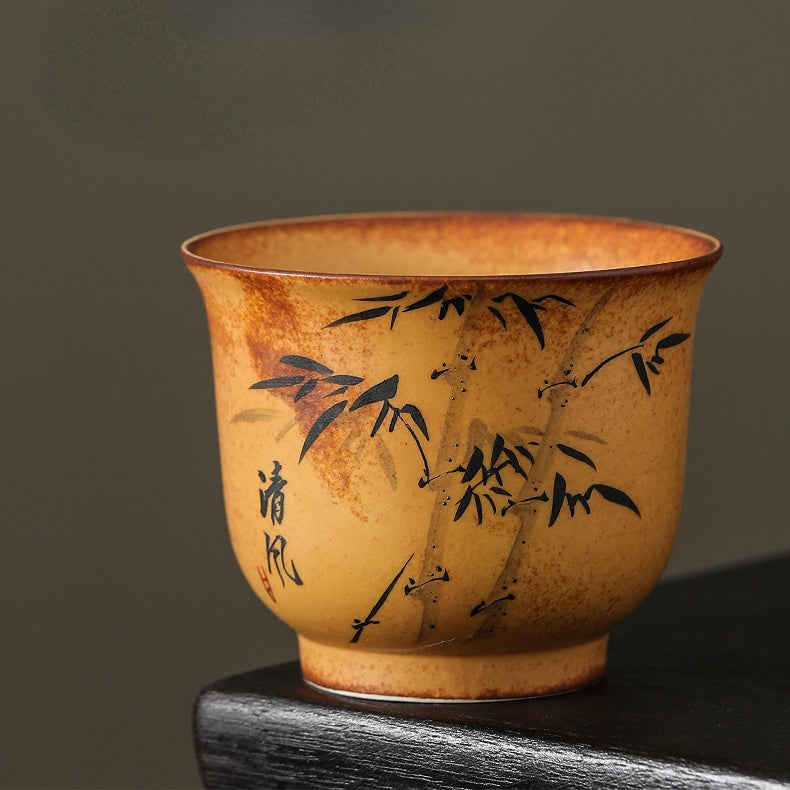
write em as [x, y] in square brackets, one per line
[426, 677]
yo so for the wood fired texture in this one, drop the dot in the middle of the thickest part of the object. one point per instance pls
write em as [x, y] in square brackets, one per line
[452, 486]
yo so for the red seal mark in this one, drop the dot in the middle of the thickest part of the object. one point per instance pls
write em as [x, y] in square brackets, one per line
[265, 580]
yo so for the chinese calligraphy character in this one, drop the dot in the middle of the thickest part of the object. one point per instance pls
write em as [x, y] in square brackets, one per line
[275, 554]
[273, 495]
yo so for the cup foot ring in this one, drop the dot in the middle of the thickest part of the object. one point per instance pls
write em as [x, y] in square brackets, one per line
[430, 677]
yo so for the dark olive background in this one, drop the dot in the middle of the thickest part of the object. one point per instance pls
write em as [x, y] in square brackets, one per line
[128, 126]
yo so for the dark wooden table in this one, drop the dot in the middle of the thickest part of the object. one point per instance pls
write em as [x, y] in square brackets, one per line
[697, 695]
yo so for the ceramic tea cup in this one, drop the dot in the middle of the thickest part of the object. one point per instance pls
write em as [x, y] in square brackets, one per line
[452, 445]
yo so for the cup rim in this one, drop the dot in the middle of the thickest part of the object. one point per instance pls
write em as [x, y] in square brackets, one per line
[673, 266]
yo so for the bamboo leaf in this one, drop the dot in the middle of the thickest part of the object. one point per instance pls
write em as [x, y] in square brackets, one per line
[385, 407]
[457, 302]
[365, 315]
[617, 496]
[255, 415]
[474, 466]
[393, 317]
[386, 298]
[653, 329]
[557, 497]
[285, 429]
[526, 453]
[431, 298]
[576, 454]
[531, 429]
[282, 381]
[338, 391]
[416, 415]
[305, 389]
[641, 371]
[320, 425]
[579, 499]
[501, 491]
[672, 340]
[555, 298]
[490, 502]
[590, 437]
[384, 390]
[499, 315]
[478, 507]
[346, 381]
[387, 463]
[513, 458]
[463, 503]
[531, 317]
[496, 451]
[296, 361]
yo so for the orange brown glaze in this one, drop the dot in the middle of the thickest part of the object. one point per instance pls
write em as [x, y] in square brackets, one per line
[479, 471]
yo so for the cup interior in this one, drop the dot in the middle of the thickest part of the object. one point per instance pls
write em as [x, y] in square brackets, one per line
[450, 245]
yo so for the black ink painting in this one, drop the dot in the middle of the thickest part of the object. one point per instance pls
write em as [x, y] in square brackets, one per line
[546, 476]
[360, 625]
[381, 394]
[440, 574]
[446, 304]
[645, 363]
[489, 481]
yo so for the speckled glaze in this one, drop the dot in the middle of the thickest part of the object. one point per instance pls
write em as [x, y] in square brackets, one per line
[452, 445]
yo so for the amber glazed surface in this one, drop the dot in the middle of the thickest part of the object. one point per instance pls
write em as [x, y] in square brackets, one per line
[452, 445]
